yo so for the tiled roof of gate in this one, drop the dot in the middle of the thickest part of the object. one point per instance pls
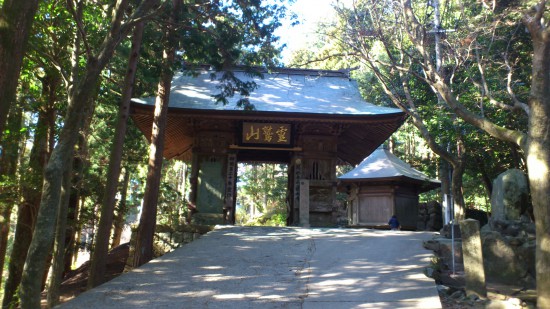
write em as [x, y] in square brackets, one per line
[294, 96]
[284, 90]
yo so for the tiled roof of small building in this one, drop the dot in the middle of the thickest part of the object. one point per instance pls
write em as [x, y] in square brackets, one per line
[382, 164]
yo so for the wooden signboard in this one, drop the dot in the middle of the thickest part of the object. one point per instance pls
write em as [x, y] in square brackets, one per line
[266, 134]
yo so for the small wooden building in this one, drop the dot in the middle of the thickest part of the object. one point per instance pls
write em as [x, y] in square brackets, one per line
[381, 186]
[310, 120]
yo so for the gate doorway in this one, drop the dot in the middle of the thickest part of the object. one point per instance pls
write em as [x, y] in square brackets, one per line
[262, 194]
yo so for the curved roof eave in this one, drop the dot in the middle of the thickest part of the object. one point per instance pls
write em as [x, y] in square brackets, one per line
[256, 114]
[420, 185]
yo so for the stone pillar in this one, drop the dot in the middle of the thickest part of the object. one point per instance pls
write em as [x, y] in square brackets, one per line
[353, 205]
[473, 258]
[304, 203]
[510, 195]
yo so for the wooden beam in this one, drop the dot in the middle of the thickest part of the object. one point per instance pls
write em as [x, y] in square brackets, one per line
[265, 148]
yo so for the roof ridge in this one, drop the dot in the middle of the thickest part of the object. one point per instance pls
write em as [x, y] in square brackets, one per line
[345, 73]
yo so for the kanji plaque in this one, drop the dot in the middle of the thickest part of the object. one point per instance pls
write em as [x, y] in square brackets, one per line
[269, 134]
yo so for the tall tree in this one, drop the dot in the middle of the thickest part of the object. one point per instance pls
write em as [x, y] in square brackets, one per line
[99, 257]
[16, 18]
[79, 99]
[144, 243]
[8, 178]
[30, 193]
[537, 145]
[59, 246]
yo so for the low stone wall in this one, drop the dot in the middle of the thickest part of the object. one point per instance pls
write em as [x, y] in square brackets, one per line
[508, 253]
[166, 242]
[430, 217]
[168, 239]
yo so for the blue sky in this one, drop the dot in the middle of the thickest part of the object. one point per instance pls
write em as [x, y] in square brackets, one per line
[310, 13]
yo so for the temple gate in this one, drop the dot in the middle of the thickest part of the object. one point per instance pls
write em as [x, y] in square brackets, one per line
[310, 120]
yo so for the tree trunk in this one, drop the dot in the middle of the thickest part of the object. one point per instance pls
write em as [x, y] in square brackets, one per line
[72, 229]
[445, 177]
[51, 196]
[28, 210]
[122, 210]
[456, 190]
[485, 177]
[16, 18]
[72, 217]
[146, 229]
[9, 152]
[43, 234]
[59, 244]
[8, 174]
[538, 160]
[5, 214]
[99, 258]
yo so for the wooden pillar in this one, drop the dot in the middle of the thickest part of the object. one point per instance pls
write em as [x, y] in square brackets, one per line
[230, 183]
[473, 258]
[296, 177]
[304, 203]
[193, 179]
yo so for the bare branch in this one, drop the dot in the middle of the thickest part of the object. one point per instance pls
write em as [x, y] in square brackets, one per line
[409, 108]
[77, 15]
[438, 83]
[517, 103]
[321, 59]
[52, 61]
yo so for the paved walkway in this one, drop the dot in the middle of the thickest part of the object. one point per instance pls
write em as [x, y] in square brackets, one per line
[261, 267]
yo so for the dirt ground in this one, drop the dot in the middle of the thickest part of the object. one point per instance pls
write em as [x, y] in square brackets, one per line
[76, 280]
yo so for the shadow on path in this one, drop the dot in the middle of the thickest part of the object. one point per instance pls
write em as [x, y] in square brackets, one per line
[262, 267]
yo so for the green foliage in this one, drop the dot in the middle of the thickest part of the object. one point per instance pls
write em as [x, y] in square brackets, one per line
[8, 192]
[172, 205]
[261, 195]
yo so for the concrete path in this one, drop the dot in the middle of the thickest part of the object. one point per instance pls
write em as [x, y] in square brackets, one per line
[261, 267]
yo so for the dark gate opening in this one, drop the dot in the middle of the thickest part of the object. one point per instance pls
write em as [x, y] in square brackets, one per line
[262, 194]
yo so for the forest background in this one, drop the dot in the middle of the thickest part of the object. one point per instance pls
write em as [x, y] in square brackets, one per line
[471, 75]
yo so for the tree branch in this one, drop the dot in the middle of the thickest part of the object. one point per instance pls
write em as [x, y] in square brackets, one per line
[535, 22]
[517, 103]
[438, 83]
[77, 15]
